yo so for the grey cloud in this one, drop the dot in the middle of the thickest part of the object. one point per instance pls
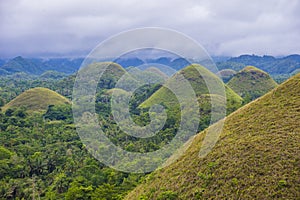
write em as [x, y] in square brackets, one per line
[68, 27]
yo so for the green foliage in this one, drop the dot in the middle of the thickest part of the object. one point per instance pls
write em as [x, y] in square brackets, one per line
[5, 153]
[59, 112]
[46, 160]
[52, 75]
[79, 192]
[282, 183]
[106, 192]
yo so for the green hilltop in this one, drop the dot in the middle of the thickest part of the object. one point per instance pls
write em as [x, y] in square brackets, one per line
[256, 156]
[108, 79]
[37, 99]
[251, 83]
[196, 75]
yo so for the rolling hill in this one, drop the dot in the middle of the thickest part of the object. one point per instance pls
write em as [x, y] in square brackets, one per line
[256, 156]
[191, 73]
[37, 99]
[251, 83]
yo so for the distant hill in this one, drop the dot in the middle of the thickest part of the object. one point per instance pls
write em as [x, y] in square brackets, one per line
[36, 99]
[20, 64]
[109, 77]
[177, 63]
[34, 66]
[256, 156]
[52, 75]
[107, 81]
[270, 64]
[251, 83]
[157, 72]
[226, 74]
[161, 60]
[128, 62]
[274, 66]
[64, 65]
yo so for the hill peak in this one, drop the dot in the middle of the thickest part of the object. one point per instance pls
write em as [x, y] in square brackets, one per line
[251, 83]
[250, 68]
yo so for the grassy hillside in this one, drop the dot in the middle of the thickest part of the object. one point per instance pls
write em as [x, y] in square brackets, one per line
[37, 99]
[251, 83]
[256, 157]
[197, 81]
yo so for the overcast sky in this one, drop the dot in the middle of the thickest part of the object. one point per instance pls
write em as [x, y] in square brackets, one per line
[74, 27]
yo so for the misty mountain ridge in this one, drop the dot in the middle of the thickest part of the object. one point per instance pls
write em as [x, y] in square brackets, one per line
[287, 65]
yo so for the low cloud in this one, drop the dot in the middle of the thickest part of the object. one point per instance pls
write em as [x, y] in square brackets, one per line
[74, 27]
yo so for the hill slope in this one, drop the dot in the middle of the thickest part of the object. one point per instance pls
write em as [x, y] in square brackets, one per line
[251, 83]
[256, 157]
[37, 99]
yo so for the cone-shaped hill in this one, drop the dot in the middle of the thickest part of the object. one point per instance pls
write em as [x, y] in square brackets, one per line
[37, 99]
[197, 81]
[108, 79]
[256, 156]
[251, 83]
